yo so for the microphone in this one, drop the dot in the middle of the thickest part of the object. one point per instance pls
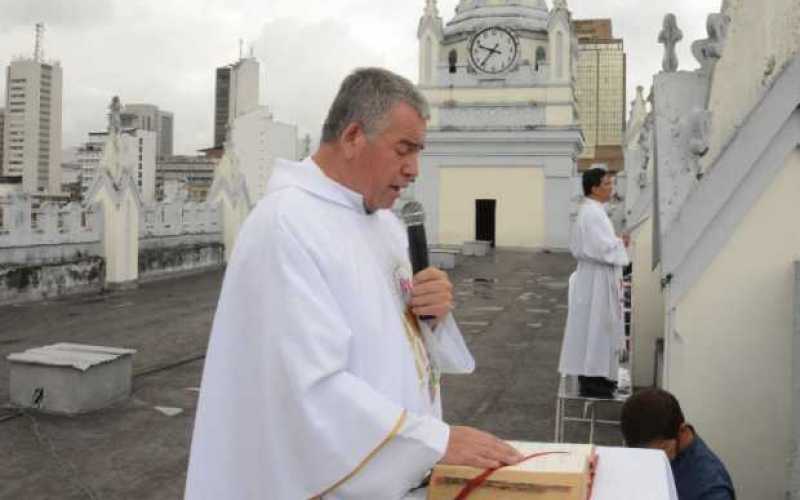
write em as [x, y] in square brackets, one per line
[414, 217]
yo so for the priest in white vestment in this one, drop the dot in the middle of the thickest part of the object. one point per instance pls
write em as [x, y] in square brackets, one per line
[320, 381]
[595, 328]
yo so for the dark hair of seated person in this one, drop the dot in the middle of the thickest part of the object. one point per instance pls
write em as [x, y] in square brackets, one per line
[649, 415]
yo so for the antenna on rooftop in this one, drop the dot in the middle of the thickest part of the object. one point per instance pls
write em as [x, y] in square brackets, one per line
[38, 51]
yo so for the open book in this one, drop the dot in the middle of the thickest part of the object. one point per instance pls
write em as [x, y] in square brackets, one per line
[556, 471]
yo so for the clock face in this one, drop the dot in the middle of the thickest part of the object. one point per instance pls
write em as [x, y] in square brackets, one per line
[493, 50]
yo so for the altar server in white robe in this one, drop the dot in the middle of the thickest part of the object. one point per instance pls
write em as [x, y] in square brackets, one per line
[319, 380]
[595, 327]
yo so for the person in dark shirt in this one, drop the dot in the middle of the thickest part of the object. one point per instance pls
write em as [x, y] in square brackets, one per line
[652, 418]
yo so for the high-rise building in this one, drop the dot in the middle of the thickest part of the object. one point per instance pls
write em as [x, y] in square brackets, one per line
[236, 94]
[258, 141]
[600, 91]
[32, 132]
[149, 117]
[194, 173]
[2, 126]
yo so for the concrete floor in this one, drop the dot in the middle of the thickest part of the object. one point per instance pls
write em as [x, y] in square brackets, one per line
[511, 305]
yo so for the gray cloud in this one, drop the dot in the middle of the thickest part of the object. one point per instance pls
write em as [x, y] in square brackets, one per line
[304, 64]
[67, 14]
[165, 52]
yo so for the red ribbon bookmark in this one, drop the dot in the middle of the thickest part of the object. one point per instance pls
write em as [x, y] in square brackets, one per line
[477, 481]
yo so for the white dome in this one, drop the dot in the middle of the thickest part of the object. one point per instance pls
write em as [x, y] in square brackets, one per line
[471, 15]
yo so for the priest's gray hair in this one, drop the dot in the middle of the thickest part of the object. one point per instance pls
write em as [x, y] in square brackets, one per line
[366, 97]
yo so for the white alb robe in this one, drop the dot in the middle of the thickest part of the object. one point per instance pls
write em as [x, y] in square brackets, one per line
[595, 325]
[315, 383]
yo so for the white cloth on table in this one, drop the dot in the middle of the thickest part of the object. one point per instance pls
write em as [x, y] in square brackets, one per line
[595, 326]
[315, 382]
[633, 474]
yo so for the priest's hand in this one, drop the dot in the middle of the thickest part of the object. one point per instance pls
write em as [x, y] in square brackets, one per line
[469, 446]
[432, 294]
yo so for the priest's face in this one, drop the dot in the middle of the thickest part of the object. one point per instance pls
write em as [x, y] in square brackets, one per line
[605, 190]
[388, 162]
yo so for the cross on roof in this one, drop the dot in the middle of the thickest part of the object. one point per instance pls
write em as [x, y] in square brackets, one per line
[670, 36]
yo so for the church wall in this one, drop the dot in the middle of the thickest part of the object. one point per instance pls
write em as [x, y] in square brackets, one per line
[555, 103]
[647, 320]
[560, 116]
[763, 36]
[164, 257]
[22, 282]
[65, 251]
[519, 191]
[439, 96]
[730, 359]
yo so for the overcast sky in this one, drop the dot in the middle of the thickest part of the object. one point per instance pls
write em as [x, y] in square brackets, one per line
[164, 52]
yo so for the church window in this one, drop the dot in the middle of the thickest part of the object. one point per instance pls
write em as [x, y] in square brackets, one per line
[541, 57]
[452, 60]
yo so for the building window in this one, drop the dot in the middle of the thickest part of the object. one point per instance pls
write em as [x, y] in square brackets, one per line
[452, 60]
[541, 57]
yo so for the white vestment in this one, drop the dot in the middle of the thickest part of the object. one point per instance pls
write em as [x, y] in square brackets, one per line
[316, 384]
[595, 326]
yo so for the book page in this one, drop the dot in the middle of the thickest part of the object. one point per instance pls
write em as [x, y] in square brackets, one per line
[573, 461]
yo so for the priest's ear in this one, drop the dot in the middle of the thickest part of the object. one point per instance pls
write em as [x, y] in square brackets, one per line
[352, 140]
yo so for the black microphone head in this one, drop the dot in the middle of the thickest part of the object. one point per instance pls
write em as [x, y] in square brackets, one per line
[413, 214]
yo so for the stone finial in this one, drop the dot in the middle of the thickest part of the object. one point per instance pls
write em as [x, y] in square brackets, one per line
[709, 50]
[637, 115]
[431, 9]
[670, 36]
[638, 105]
[560, 4]
[114, 120]
[430, 20]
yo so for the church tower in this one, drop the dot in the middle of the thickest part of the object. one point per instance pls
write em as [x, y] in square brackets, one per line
[563, 43]
[429, 35]
[503, 136]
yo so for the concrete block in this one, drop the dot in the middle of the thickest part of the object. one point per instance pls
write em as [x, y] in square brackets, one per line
[476, 247]
[70, 378]
[444, 258]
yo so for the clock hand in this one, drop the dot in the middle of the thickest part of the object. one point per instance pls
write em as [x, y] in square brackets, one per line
[493, 51]
[484, 47]
[490, 54]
